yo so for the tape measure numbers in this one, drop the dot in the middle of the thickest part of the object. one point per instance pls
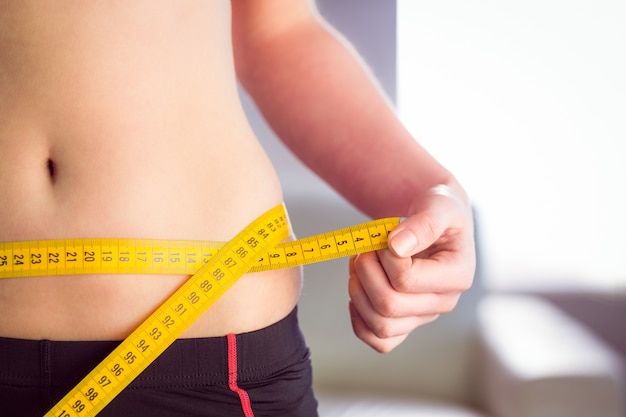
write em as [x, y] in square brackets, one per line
[168, 322]
[150, 256]
[214, 267]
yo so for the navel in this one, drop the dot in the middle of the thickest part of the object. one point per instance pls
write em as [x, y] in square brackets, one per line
[51, 169]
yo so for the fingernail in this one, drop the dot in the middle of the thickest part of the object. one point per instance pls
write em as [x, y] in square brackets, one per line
[403, 243]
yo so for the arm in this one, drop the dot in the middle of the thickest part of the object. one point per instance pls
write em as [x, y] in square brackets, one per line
[321, 100]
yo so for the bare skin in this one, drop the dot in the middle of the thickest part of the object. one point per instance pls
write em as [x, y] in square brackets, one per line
[123, 120]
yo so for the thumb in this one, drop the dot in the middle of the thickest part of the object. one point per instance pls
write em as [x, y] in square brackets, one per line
[439, 210]
[413, 235]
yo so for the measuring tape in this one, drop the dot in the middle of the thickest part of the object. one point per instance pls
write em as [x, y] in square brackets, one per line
[158, 256]
[214, 267]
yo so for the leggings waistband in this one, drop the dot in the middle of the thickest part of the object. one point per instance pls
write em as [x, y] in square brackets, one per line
[186, 362]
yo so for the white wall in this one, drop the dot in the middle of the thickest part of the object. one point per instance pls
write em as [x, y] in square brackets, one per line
[526, 102]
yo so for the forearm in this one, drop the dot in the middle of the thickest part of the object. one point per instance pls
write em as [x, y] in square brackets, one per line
[321, 100]
[327, 108]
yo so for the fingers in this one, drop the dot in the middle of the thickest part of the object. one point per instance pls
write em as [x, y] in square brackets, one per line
[443, 272]
[363, 332]
[392, 314]
[439, 240]
[381, 316]
[369, 286]
[429, 263]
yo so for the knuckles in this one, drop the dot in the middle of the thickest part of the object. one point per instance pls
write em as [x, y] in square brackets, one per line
[402, 282]
[386, 306]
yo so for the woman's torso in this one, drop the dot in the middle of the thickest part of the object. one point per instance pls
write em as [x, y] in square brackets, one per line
[122, 119]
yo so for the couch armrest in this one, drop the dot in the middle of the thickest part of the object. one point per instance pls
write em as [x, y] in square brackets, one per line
[537, 362]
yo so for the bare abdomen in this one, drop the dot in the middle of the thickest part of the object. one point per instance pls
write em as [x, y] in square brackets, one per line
[139, 136]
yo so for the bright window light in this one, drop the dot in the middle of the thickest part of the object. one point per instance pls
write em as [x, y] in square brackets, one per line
[526, 102]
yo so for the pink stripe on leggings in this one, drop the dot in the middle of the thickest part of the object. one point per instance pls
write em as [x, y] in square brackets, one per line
[232, 377]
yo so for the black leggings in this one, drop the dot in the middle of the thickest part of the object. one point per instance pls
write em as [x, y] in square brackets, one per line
[261, 373]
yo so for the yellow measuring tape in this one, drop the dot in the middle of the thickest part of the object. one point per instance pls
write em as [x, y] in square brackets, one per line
[214, 267]
[158, 256]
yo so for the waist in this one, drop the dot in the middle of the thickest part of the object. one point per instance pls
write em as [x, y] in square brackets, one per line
[208, 191]
[105, 307]
[110, 307]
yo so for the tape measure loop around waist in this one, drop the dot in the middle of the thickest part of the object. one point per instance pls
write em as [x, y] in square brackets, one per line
[214, 268]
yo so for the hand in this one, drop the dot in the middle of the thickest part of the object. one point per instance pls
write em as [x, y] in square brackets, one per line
[430, 262]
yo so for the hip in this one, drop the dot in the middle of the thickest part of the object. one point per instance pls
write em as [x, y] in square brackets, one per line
[193, 377]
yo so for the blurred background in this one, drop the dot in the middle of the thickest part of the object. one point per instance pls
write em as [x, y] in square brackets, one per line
[525, 102]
